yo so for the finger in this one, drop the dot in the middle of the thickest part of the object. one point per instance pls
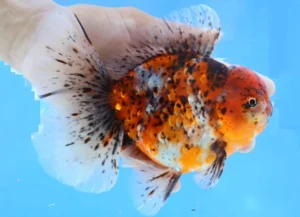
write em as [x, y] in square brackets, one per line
[18, 21]
[110, 30]
[114, 28]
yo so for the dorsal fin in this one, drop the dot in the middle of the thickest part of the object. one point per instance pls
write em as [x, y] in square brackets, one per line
[190, 30]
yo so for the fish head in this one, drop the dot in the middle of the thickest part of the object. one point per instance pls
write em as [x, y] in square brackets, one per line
[244, 108]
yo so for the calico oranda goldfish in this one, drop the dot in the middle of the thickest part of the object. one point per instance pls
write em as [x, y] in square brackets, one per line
[164, 106]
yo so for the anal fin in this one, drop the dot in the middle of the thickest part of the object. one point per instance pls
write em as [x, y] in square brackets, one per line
[152, 183]
[209, 177]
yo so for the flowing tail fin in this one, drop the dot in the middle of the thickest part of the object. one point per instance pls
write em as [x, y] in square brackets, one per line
[79, 139]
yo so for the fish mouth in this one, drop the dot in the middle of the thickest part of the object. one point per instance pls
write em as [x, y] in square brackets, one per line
[269, 110]
[247, 148]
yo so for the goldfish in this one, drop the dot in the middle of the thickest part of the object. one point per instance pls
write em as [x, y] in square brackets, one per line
[163, 106]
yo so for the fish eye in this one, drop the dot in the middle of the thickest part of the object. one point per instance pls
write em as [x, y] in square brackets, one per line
[252, 102]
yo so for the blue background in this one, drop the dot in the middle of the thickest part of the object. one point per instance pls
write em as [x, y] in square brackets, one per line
[262, 35]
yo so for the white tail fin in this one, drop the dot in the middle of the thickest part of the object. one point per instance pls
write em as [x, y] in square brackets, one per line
[79, 139]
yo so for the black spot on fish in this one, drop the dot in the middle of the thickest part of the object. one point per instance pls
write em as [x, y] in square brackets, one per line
[171, 185]
[86, 90]
[205, 94]
[72, 143]
[223, 111]
[84, 32]
[75, 50]
[183, 100]
[87, 140]
[216, 73]
[190, 68]
[218, 146]
[52, 93]
[151, 192]
[78, 74]
[50, 48]
[161, 100]
[159, 176]
[61, 61]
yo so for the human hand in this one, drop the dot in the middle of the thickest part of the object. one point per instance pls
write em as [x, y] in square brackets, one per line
[111, 27]
[115, 26]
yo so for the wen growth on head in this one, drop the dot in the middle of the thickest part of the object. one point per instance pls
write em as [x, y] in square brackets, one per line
[164, 106]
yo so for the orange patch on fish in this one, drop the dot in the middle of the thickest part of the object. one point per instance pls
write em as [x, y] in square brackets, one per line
[191, 158]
